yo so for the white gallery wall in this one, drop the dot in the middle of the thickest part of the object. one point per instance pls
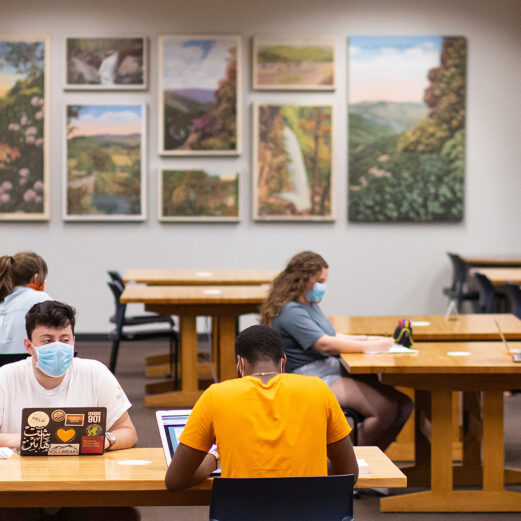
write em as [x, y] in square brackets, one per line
[375, 268]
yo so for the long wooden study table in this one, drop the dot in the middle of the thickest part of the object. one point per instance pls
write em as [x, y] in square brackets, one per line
[500, 276]
[119, 478]
[504, 261]
[224, 303]
[482, 371]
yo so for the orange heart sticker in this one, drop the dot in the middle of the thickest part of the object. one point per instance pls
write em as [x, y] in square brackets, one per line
[65, 434]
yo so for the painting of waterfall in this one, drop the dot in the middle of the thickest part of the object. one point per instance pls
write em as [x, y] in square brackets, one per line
[198, 195]
[292, 162]
[105, 148]
[24, 128]
[294, 63]
[406, 128]
[106, 63]
[199, 95]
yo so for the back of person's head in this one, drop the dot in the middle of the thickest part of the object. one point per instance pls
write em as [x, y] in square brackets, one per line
[52, 314]
[291, 283]
[19, 270]
[259, 343]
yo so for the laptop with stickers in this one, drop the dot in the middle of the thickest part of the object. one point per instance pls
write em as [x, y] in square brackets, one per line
[63, 431]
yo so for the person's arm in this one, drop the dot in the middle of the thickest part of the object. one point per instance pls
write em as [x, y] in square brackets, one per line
[10, 440]
[124, 431]
[334, 345]
[341, 458]
[189, 467]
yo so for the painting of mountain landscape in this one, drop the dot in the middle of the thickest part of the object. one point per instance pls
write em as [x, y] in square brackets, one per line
[406, 128]
[293, 169]
[198, 95]
[105, 151]
[199, 195]
[24, 190]
[294, 63]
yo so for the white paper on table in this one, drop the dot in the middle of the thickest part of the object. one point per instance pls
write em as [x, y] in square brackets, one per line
[398, 349]
[363, 466]
[420, 323]
[5, 452]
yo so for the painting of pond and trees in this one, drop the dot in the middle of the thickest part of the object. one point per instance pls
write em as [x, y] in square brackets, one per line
[198, 93]
[199, 195]
[406, 128]
[104, 152]
[24, 190]
[293, 168]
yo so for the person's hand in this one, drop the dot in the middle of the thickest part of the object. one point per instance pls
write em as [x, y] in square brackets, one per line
[382, 344]
[10, 440]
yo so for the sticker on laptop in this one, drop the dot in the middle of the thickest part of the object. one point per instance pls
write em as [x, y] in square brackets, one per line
[58, 416]
[58, 449]
[65, 435]
[74, 420]
[92, 444]
[94, 430]
[38, 419]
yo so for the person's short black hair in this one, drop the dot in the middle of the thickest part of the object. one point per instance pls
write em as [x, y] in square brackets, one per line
[50, 313]
[259, 343]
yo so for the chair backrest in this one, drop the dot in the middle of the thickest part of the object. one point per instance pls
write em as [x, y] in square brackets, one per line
[514, 295]
[459, 272]
[9, 358]
[115, 276]
[487, 293]
[120, 309]
[325, 498]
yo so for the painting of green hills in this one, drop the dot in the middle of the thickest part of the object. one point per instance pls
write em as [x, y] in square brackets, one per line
[406, 137]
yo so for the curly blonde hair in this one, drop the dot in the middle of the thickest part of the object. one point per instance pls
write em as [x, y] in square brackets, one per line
[290, 283]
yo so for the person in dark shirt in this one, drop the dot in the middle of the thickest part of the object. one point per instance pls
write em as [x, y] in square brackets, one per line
[313, 347]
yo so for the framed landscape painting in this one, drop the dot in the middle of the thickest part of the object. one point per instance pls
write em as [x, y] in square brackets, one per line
[199, 95]
[104, 174]
[293, 173]
[198, 195]
[24, 128]
[294, 63]
[106, 63]
[406, 128]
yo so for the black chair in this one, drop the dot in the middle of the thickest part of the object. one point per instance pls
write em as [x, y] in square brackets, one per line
[9, 358]
[356, 418]
[513, 292]
[115, 275]
[457, 292]
[122, 333]
[488, 295]
[325, 498]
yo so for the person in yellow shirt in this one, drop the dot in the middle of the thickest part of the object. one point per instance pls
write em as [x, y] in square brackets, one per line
[266, 424]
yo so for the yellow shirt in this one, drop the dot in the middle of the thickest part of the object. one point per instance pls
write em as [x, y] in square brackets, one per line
[281, 428]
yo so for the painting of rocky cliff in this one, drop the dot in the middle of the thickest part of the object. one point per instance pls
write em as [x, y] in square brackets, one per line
[198, 95]
[286, 63]
[106, 63]
[293, 162]
[406, 128]
[198, 195]
[105, 151]
[24, 135]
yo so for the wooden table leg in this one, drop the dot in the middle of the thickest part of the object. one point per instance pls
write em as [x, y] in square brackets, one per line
[227, 363]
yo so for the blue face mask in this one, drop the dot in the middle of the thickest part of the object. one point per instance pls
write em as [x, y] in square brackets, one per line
[316, 294]
[54, 359]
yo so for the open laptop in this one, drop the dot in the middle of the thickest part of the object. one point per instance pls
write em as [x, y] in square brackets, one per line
[516, 356]
[171, 424]
[63, 431]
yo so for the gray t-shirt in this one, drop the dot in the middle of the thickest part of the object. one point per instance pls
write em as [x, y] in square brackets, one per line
[300, 326]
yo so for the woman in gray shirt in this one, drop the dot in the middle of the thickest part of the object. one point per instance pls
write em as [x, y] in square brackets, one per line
[313, 347]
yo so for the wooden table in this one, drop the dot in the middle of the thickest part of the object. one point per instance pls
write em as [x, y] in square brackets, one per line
[492, 260]
[224, 303]
[435, 375]
[435, 328]
[500, 276]
[63, 481]
[174, 277]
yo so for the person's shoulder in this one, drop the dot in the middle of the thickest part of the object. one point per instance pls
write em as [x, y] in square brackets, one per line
[290, 309]
[312, 383]
[88, 366]
[12, 370]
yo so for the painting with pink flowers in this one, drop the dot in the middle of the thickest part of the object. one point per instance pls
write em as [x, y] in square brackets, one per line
[24, 193]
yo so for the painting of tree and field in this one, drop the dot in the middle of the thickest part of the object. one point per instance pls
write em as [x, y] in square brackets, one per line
[198, 108]
[199, 195]
[105, 151]
[293, 169]
[23, 137]
[406, 128]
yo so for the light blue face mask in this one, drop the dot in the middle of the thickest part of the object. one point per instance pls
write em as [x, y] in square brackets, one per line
[54, 359]
[316, 294]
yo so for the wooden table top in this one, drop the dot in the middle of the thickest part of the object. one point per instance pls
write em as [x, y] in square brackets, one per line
[492, 260]
[199, 277]
[109, 473]
[434, 327]
[195, 294]
[501, 275]
[484, 358]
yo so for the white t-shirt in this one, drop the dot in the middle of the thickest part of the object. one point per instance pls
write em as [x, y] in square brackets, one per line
[87, 383]
[12, 317]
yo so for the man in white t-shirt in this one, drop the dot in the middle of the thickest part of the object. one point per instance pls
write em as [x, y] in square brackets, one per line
[52, 377]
